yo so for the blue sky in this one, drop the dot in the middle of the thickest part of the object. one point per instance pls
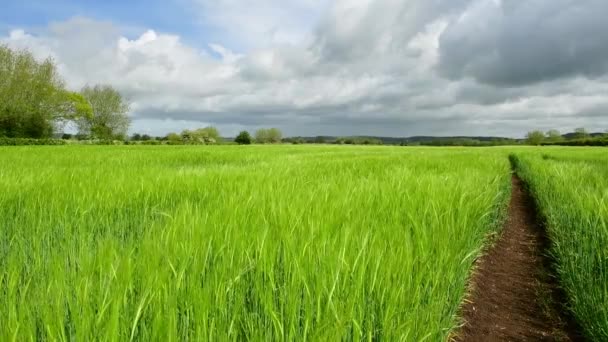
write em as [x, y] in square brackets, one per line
[132, 16]
[197, 22]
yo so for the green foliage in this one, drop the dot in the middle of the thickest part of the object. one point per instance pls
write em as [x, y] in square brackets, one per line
[570, 189]
[109, 119]
[319, 140]
[553, 136]
[226, 244]
[463, 141]
[243, 138]
[29, 141]
[581, 133]
[174, 139]
[357, 141]
[150, 142]
[601, 141]
[32, 96]
[268, 136]
[75, 107]
[535, 138]
[100, 142]
[201, 136]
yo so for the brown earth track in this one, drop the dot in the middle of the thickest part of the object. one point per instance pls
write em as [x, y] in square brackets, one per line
[513, 296]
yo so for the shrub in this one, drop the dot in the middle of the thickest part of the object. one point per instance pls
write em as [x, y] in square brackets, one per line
[29, 141]
[581, 142]
[150, 142]
[243, 138]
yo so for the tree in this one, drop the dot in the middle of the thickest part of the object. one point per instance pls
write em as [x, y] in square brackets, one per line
[74, 107]
[136, 137]
[201, 136]
[207, 135]
[211, 132]
[109, 119]
[174, 138]
[319, 140]
[274, 136]
[261, 136]
[554, 136]
[243, 138]
[33, 100]
[535, 138]
[581, 133]
[268, 136]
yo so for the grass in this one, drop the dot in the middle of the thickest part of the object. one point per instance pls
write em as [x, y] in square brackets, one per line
[233, 243]
[571, 188]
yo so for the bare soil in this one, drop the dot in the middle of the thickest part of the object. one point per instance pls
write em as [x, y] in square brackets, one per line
[513, 293]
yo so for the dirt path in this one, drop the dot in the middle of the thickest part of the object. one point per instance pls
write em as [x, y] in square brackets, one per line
[513, 296]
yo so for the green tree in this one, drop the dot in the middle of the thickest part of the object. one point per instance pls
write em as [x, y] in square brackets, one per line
[261, 136]
[207, 135]
[554, 136]
[187, 136]
[174, 138]
[201, 136]
[109, 119]
[535, 138]
[33, 99]
[212, 133]
[243, 138]
[268, 136]
[581, 133]
[319, 140]
[274, 135]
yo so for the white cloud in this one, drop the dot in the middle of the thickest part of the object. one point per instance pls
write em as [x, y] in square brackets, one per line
[261, 23]
[367, 67]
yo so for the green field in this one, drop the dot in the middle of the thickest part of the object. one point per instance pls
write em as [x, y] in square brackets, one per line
[572, 192]
[276, 242]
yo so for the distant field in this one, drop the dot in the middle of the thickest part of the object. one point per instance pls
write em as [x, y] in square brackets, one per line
[271, 242]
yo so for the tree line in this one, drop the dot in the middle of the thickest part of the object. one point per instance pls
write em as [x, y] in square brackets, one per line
[34, 102]
[580, 137]
[211, 135]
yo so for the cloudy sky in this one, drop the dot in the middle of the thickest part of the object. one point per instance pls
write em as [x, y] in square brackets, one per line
[323, 67]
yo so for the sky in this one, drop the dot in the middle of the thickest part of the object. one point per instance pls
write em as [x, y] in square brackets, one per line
[331, 67]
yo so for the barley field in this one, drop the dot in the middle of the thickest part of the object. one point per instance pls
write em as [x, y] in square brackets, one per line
[310, 243]
[232, 243]
[571, 188]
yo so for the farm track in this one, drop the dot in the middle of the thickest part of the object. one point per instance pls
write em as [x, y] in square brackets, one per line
[513, 295]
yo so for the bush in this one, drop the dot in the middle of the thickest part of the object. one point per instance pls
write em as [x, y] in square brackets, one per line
[150, 142]
[243, 138]
[580, 142]
[30, 142]
[174, 142]
[102, 142]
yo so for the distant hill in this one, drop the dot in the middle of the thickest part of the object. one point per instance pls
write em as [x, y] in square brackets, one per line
[423, 139]
[573, 135]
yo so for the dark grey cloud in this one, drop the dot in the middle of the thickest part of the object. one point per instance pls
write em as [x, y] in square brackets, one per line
[514, 43]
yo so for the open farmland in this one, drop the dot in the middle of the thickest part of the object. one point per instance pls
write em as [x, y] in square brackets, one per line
[279, 242]
[316, 243]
